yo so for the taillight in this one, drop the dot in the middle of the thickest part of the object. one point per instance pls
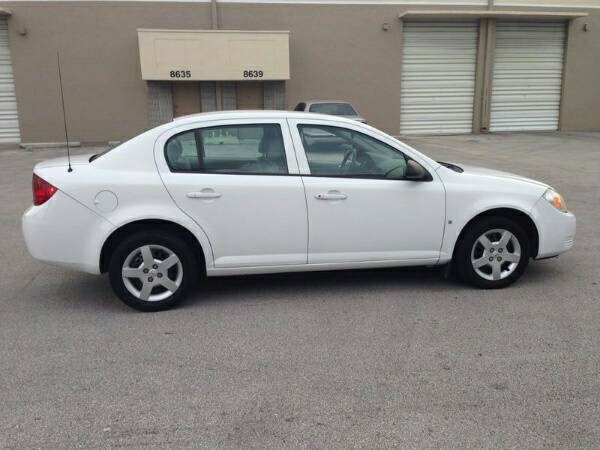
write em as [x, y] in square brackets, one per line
[42, 190]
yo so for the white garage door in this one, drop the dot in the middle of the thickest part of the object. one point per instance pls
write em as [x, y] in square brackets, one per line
[9, 121]
[438, 77]
[528, 66]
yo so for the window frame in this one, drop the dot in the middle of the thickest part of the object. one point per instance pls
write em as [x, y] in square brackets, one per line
[226, 124]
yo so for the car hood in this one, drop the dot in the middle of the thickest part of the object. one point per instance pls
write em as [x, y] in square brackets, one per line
[76, 160]
[500, 174]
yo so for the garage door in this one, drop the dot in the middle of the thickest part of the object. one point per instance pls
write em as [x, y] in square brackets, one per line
[438, 77]
[528, 66]
[9, 120]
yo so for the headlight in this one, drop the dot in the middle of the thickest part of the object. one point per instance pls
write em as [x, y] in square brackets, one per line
[556, 200]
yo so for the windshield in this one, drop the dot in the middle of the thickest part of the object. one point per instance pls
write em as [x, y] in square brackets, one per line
[335, 109]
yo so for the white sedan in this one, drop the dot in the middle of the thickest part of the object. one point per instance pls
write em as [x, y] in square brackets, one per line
[244, 192]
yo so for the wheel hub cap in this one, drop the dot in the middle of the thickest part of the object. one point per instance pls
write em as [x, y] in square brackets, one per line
[496, 254]
[152, 273]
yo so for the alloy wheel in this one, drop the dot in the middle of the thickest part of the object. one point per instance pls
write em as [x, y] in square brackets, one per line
[496, 254]
[152, 273]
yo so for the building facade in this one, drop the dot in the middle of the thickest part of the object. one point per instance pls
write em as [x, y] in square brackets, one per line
[409, 67]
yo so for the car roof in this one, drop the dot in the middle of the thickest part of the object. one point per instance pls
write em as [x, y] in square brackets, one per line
[257, 114]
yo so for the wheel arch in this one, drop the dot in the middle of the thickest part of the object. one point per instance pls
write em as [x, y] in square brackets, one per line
[522, 218]
[131, 227]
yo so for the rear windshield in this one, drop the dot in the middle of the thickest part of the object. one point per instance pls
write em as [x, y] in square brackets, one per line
[109, 149]
[335, 109]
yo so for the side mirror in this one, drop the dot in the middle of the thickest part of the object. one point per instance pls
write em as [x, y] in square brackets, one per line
[415, 172]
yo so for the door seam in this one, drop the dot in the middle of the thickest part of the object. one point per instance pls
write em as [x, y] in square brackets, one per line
[289, 129]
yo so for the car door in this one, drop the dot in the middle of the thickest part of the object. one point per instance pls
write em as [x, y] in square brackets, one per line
[360, 206]
[238, 179]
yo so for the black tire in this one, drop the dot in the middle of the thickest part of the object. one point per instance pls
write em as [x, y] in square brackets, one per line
[462, 256]
[153, 237]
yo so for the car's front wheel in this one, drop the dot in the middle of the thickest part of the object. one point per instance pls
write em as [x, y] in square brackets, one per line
[152, 270]
[492, 253]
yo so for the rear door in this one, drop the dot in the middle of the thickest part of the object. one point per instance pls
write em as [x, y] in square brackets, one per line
[239, 181]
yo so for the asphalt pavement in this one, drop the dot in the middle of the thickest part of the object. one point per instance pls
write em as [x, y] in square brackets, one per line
[358, 359]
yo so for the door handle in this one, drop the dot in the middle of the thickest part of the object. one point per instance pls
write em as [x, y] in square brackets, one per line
[332, 195]
[205, 193]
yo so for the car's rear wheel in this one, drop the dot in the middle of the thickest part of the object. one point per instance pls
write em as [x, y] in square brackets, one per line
[152, 270]
[493, 253]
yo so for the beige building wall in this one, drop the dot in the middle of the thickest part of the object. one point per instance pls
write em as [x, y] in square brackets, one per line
[547, 3]
[105, 96]
[336, 51]
[213, 54]
[580, 109]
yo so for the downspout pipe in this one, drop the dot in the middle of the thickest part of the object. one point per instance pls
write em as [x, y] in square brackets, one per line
[214, 17]
[214, 22]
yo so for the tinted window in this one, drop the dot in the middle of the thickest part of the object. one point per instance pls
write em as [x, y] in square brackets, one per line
[181, 152]
[251, 149]
[335, 109]
[340, 152]
[300, 107]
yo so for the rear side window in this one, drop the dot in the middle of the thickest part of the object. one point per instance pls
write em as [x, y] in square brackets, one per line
[181, 152]
[237, 149]
[300, 107]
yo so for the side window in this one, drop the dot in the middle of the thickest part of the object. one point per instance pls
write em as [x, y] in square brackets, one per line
[242, 149]
[341, 152]
[300, 107]
[181, 152]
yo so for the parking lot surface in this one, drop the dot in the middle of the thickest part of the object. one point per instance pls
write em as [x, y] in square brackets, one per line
[366, 359]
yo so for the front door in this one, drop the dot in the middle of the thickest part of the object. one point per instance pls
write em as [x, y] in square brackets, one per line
[250, 95]
[360, 207]
[186, 98]
[240, 183]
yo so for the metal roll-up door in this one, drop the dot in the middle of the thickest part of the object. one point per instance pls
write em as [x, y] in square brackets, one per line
[527, 80]
[438, 77]
[9, 119]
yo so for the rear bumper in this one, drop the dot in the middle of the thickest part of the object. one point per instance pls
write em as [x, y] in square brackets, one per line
[65, 233]
[556, 229]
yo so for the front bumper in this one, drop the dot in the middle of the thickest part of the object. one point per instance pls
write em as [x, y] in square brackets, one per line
[65, 233]
[556, 229]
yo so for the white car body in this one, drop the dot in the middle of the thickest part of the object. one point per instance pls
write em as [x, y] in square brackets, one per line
[247, 224]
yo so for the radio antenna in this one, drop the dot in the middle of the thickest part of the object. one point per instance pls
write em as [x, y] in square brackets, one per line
[62, 99]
